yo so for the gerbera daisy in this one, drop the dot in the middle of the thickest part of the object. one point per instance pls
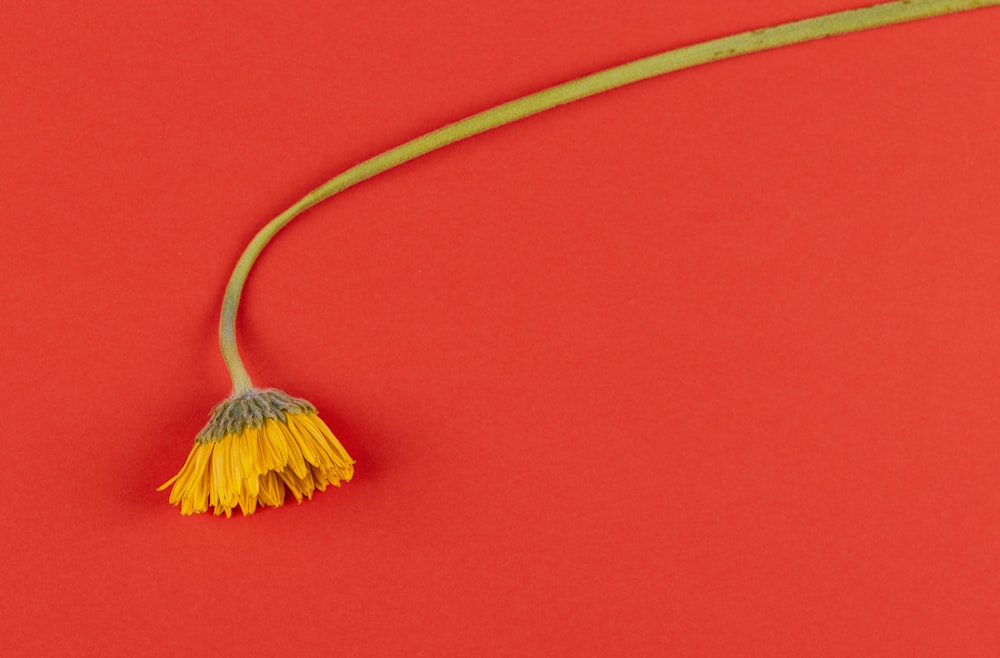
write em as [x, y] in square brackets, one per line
[258, 443]
[255, 445]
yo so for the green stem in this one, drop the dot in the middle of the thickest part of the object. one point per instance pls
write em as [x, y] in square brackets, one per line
[854, 20]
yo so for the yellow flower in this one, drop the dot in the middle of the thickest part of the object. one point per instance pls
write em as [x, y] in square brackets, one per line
[259, 443]
[254, 447]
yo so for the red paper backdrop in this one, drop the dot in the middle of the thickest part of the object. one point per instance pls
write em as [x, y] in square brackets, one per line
[708, 366]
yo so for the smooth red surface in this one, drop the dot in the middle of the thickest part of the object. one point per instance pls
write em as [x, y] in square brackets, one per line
[709, 366]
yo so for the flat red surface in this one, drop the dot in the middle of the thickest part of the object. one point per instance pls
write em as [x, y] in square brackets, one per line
[708, 366]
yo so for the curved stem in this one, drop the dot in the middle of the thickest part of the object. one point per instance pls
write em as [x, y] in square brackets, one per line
[854, 20]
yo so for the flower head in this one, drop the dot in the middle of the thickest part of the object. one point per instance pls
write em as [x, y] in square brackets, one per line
[255, 446]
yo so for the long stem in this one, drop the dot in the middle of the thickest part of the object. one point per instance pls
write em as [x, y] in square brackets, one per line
[843, 22]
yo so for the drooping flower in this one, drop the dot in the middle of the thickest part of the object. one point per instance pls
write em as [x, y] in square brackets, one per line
[257, 445]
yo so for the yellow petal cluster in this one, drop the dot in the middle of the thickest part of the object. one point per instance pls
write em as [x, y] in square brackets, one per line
[254, 464]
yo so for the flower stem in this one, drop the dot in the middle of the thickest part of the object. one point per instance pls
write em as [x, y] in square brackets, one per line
[843, 22]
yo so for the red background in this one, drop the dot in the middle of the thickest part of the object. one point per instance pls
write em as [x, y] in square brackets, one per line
[708, 366]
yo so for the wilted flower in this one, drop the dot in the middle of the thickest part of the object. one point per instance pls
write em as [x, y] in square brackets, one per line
[259, 443]
[255, 446]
